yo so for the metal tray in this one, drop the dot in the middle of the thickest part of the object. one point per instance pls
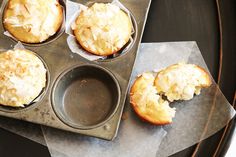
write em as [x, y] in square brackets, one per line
[104, 82]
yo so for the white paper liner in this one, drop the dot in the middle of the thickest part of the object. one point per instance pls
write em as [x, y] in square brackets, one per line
[19, 45]
[73, 10]
[76, 48]
[6, 33]
[195, 120]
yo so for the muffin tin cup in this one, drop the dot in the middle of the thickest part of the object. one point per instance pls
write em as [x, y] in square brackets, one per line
[52, 38]
[78, 49]
[81, 96]
[37, 99]
[86, 96]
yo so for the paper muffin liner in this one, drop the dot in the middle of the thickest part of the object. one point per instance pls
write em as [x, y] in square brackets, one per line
[6, 33]
[73, 10]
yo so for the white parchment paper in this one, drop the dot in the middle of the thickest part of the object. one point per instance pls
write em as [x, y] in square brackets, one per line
[195, 120]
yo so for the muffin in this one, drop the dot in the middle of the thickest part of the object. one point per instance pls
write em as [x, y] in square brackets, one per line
[148, 105]
[181, 81]
[22, 77]
[32, 21]
[102, 29]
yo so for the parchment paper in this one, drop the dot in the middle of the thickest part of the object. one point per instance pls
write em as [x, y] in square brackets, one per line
[195, 120]
[73, 10]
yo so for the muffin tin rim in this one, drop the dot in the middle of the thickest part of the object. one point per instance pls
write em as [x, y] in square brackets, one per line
[97, 67]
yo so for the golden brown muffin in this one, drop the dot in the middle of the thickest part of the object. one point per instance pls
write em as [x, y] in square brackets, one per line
[181, 81]
[22, 77]
[102, 29]
[32, 21]
[147, 103]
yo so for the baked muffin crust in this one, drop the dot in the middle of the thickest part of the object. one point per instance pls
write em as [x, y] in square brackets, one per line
[22, 77]
[181, 81]
[102, 29]
[148, 105]
[32, 21]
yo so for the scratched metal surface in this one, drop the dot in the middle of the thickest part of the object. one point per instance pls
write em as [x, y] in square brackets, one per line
[58, 59]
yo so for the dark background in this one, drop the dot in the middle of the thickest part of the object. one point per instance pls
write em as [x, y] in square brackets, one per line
[176, 20]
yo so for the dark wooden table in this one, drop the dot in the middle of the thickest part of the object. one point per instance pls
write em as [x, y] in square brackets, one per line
[213, 26]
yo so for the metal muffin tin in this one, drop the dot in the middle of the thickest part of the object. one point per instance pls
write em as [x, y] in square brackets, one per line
[81, 96]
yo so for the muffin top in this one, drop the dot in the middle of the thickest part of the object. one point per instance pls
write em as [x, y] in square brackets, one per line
[181, 81]
[22, 77]
[102, 29]
[32, 21]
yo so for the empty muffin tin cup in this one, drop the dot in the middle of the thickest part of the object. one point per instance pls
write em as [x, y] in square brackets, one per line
[85, 96]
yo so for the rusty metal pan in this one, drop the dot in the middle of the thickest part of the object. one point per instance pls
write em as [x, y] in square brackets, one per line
[81, 96]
